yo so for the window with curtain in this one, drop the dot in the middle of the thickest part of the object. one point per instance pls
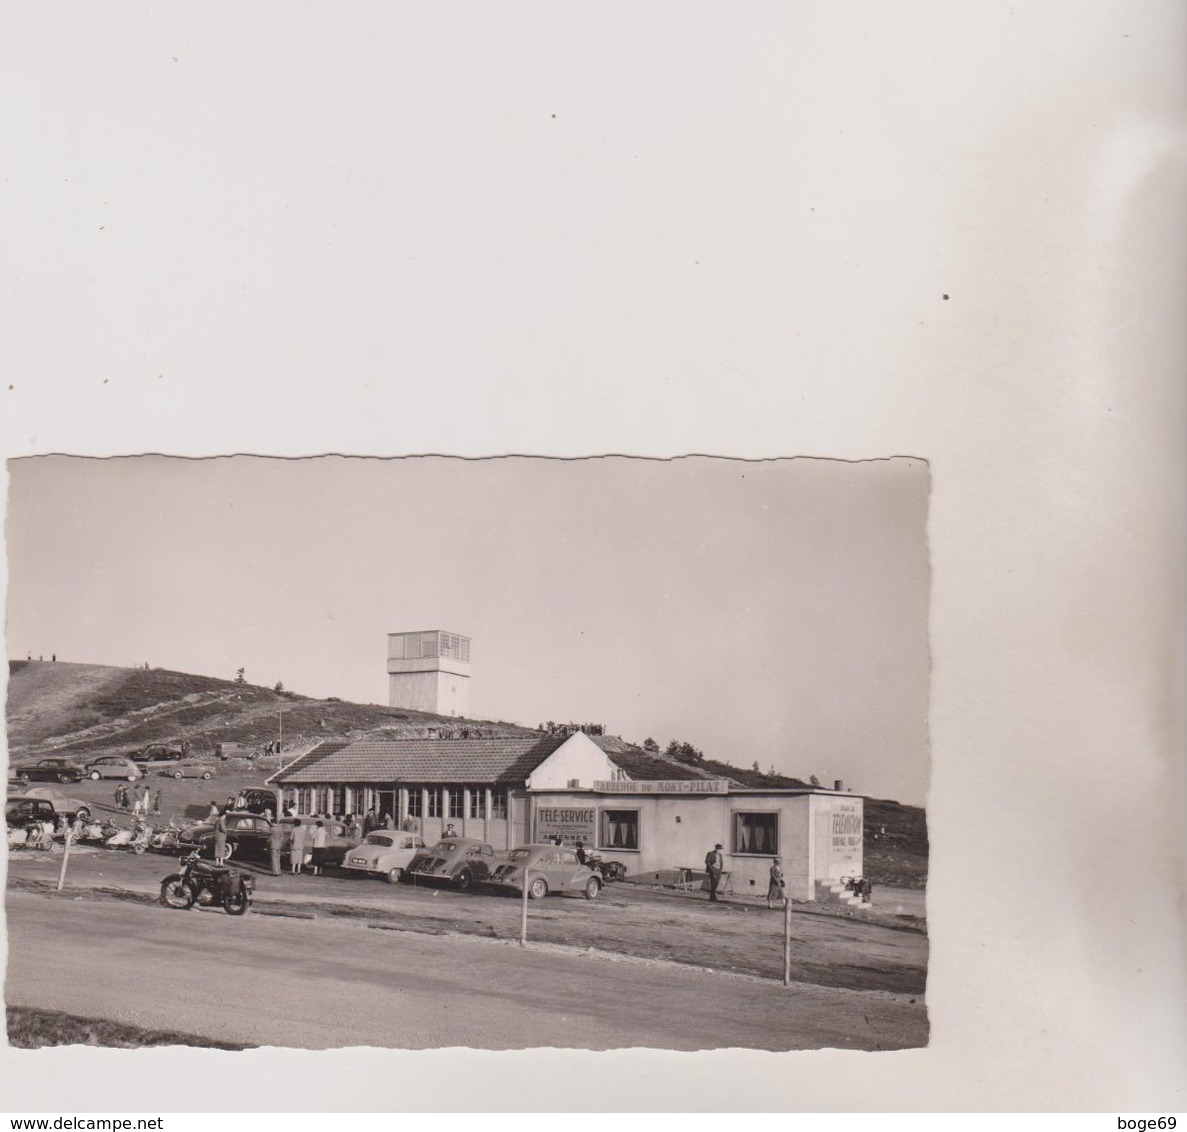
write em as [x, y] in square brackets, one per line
[456, 802]
[414, 807]
[477, 796]
[498, 804]
[756, 833]
[620, 829]
[435, 802]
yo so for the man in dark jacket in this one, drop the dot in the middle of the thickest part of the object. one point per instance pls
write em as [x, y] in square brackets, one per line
[714, 866]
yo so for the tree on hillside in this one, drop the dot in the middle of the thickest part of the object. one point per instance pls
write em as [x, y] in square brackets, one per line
[683, 752]
[278, 687]
[240, 675]
[754, 767]
[650, 745]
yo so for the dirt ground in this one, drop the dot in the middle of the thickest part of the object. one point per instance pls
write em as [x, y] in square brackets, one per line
[881, 950]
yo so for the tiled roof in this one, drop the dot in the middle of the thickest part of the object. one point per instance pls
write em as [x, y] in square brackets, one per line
[504, 761]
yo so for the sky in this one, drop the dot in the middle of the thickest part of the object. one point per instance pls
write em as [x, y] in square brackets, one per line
[764, 611]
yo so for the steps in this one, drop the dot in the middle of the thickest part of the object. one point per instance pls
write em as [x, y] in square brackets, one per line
[835, 892]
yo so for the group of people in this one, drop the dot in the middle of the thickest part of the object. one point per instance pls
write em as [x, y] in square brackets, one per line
[140, 799]
[776, 886]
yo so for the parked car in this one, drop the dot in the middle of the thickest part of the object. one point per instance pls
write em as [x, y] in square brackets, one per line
[64, 807]
[550, 868]
[385, 853]
[50, 770]
[460, 861]
[190, 768]
[158, 753]
[249, 835]
[112, 766]
[23, 811]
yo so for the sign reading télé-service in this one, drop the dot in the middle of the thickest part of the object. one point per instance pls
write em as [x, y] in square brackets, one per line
[570, 823]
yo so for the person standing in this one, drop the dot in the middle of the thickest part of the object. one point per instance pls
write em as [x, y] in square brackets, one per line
[777, 889]
[316, 845]
[156, 801]
[213, 811]
[297, 847]
[276, 846]
[714, 866]
[220, 839]
[121, 795]
[137, 799]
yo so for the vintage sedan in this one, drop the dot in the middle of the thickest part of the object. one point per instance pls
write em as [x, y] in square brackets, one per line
[460, 861]
[23, 811]
[70, 808]
[113, 766]
[386, 853]
[190, 768]
[549, 868]
[250, 835]
[50, 770]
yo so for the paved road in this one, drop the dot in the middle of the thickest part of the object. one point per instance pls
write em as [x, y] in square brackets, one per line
[323, 984]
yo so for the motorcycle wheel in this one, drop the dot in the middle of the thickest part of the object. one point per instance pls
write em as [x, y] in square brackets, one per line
[236, 904]
[139, 850]
[175, 893]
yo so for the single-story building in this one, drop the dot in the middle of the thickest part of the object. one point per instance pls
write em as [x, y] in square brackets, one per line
[512, 790]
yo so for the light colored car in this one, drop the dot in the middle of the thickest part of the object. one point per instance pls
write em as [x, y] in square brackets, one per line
[112, 766]
[550, 868]
[63, 806]
[460, 861]
[385, 852]
[189, 768]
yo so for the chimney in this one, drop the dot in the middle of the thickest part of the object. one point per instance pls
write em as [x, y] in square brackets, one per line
[839, 785]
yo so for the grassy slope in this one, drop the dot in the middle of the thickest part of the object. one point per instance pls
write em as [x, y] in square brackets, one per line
[81, 709]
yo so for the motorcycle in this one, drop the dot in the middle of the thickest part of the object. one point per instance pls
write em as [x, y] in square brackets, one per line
[164, 839]
[609, 871]
[136, 839]
[207, 885]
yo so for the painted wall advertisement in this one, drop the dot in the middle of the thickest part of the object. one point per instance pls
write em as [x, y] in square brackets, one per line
[845, 833]
[569, 822]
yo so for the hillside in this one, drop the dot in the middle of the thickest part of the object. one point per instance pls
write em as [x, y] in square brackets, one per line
[96, 709]
[92, 709]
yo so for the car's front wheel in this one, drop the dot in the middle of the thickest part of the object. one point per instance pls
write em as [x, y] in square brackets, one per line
[95, 775]
[394, 876]
[177, 774]
[464, 879]
[63, 778]
[592, 887]
[205, 774]
[538, 889]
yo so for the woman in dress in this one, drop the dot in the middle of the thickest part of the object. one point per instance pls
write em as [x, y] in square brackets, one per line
[220, 839]
[297, 847]
[318, 843]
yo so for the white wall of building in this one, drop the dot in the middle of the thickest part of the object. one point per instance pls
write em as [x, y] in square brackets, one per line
[578, 758]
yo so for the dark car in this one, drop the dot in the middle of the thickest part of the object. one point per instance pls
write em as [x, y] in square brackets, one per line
[21, 812]
[158, 753]
[50, 770]
[63, 807]
[460, 861]
[249, 835]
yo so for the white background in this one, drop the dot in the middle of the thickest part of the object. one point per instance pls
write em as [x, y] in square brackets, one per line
[667, 228]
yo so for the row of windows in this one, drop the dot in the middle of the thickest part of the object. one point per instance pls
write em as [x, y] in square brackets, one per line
[424, 646]
[448, 801]
[756, 833]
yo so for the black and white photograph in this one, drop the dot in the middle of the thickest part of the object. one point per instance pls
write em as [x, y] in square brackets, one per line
[503, 754]
[611, 559]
